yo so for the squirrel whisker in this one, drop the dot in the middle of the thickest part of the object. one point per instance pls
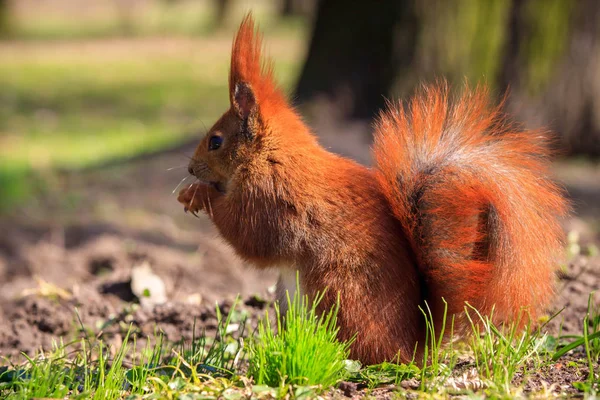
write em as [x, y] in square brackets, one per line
[179, 184]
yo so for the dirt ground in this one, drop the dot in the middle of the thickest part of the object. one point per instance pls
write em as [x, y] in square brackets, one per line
[87, 233]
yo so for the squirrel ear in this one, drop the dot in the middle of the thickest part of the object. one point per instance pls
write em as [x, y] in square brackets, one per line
[244, 102]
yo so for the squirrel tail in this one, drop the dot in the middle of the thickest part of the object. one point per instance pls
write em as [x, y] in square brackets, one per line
[473, 193]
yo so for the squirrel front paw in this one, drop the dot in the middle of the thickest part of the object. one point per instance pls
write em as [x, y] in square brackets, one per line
[193, 197]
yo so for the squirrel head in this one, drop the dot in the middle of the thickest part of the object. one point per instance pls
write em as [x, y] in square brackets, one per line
[258, 116]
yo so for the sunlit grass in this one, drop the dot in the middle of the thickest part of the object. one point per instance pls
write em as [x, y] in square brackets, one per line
[304, 351]
[590, 341]
[86, 369]
[501, 351]
[300, 359]
[67, 19]
[77, 105]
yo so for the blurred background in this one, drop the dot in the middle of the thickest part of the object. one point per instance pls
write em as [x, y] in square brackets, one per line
[87, 83]
[101, 103]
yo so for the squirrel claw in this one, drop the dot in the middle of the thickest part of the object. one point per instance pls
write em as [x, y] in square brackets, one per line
[194, 213]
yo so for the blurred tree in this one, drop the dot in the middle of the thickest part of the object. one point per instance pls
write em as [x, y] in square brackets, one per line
[4, 18]
[551, 65]
[567, 92]
[221, 7]
[355, 53]
[126, 10]
[289, 8]
[516, 30]
[546, 51]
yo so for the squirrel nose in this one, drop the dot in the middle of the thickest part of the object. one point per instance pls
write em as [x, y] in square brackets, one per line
[191, 170]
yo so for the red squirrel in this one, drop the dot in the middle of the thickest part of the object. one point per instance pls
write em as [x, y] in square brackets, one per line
[458, 206]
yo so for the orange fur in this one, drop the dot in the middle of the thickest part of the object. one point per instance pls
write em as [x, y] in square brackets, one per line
[473, 193]
[458, 206]
[248, 65]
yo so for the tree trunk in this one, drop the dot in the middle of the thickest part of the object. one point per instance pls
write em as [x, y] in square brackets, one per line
[290, 8]
[516, 31]
[356, 51]
[222, 7]
[573, 98]
[4, 18]
[287, 8]
[567, 100]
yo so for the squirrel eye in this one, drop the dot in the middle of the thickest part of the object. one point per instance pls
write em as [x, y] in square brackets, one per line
[215, 142]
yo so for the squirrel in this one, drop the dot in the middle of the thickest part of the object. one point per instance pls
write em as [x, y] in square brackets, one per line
[458, 208]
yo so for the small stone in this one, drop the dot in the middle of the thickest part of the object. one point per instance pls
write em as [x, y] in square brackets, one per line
[194, 299]
[147, 286]
[348, 388]
[410, 384]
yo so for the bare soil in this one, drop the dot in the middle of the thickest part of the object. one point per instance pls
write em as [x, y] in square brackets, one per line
[86, 233]
[114, 219]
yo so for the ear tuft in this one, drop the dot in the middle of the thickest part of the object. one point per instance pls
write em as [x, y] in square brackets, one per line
[244, 101]
[251, 82]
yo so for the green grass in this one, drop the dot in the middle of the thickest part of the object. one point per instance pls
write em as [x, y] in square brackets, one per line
[218, 357]
[208, 367]
[501, 352]
[39, 379]
[71, 106]
[590, 341]
[82, 86]
[67, 20]
[304, 351]
[75, 115]
[89, 374]
[300, 359]
[438, 360]
[84, 368]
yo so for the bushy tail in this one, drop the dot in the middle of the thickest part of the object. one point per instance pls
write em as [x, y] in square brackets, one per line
[473, 193]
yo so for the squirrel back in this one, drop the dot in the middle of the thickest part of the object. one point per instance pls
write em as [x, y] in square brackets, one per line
[459, 206]
[473, 193]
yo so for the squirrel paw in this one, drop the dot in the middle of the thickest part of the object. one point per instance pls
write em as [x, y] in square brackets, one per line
[192, 198]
